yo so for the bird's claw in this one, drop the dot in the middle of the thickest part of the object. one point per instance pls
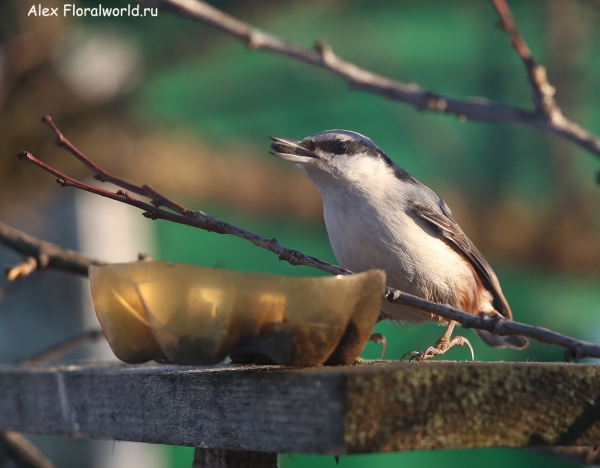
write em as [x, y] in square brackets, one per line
[413, 355]
[469, 346]
[439, 349]
[379, 338]
[420, 356]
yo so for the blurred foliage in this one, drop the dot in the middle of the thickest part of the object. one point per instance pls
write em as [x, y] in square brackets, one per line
[527, 199]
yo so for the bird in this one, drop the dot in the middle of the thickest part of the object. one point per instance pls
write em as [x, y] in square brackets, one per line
[377, 215]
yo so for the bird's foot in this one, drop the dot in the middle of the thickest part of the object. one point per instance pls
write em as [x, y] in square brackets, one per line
[440, 348]
[379, 338]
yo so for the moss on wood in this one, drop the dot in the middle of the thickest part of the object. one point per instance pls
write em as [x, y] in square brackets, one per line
[442, 405]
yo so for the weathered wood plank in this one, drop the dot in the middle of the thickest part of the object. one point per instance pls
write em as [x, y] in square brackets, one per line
[356, 409]
[473, 405]
[237, 408]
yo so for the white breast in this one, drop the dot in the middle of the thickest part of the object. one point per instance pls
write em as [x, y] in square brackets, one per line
[369, 227]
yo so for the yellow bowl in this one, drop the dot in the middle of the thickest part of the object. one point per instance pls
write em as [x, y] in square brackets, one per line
[120, 310]
[193, 315]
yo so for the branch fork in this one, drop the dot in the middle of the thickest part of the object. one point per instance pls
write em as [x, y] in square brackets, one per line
[546, 115]
[542, 91]
[24, 269]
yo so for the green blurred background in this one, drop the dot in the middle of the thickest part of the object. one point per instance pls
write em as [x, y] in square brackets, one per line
[187, 110]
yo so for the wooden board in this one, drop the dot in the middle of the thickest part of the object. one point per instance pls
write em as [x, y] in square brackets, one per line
[356, 409]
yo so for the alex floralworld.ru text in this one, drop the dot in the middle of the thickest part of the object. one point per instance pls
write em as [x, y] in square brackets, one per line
[73, 10]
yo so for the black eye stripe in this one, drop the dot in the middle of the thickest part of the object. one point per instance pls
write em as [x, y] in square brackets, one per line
[354, 146]
[342, 147]
[309, 145]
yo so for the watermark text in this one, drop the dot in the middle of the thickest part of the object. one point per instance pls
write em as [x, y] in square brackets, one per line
[70, 9]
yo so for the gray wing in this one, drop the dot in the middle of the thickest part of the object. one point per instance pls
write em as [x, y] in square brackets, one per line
[441, 218]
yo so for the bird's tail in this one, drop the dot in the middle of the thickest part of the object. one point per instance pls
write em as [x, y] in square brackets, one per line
[497, 341]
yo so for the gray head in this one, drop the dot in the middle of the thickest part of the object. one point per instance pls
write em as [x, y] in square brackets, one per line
[342, 155]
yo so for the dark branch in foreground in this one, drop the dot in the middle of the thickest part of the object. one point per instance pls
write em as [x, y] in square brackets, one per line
[14, 448]
[45, 254]
[495, 324]
[546, 117]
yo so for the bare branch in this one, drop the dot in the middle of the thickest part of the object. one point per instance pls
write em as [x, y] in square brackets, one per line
[56, 351]
[196, 219]
[576, 349]
[18, 449]
[21, 270]
[551, 120]
[46, 254]
[103, 176]
[495, 324]
[543, 91]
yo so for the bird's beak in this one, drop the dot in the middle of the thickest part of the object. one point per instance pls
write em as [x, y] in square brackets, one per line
[291, 150]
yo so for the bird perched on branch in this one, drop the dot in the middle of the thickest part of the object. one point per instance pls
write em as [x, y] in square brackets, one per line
[379, 216]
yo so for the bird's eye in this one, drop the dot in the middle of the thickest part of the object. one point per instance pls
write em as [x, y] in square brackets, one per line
[339, 148]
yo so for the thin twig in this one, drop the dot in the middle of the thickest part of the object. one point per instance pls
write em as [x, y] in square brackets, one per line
[46, 254]
[56, 351]
[103, 176]
[24, 454]
[495, 324]
[22, 270]
[542, 90]
[199, 220]
[550, 121]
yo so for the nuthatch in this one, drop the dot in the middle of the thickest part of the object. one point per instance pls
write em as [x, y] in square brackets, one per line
[379, 216]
